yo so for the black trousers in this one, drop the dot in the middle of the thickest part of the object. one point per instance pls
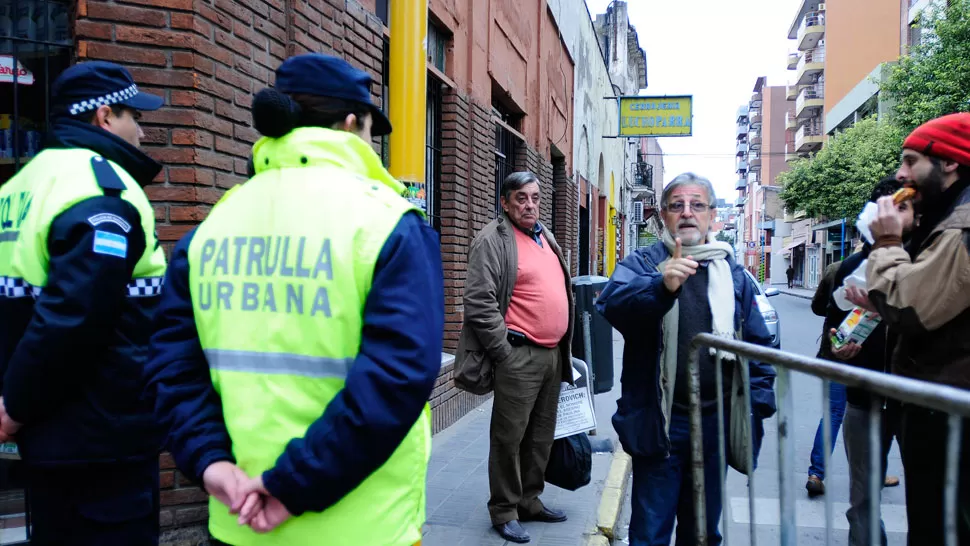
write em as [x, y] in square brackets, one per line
[923, 447]
[94, 505]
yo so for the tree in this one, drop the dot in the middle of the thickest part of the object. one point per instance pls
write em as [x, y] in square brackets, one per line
[837, 181]
[725, 236]
[934, 80]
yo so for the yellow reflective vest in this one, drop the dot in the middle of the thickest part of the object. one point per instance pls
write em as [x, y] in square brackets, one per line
[279, 273]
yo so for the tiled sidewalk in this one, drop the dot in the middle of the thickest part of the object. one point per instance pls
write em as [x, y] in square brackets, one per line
[458, 491]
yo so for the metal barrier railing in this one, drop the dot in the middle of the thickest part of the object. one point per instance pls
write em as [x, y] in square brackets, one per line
[952, 401]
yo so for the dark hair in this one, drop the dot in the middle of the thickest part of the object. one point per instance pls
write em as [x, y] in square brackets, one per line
[276, 114]
[887, 186]
[517, 181]
[963, 171]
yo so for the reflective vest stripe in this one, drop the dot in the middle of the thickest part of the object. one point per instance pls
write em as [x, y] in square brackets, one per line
[145, 287]
[278, 363]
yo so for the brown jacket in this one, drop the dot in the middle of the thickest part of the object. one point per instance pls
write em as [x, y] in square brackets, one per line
[493, 263]
[927, 301]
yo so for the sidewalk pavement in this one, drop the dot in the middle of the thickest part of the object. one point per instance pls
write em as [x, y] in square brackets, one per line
[458, 490]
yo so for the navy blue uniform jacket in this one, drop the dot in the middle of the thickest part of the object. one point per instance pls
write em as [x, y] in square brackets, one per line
[635, 301]
[387, 387]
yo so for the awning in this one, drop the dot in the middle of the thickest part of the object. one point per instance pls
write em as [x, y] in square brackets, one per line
[830, 225]
[789, 248]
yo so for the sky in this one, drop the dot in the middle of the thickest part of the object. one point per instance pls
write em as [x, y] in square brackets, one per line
[713, 50]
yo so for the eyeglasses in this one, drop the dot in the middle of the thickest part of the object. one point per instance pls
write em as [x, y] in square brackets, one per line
[696, 207]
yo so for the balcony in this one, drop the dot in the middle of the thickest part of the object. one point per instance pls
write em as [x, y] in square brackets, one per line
[811, 31]
[791, 122]
[810, 65]
[742, 114]
[740, 201]
[790, 154]
[756, 100]
[767, 225]
[742, 167]
[792, 92]
[756, 119]
[742, 131]
[810, 100]
[793, 60]
[754, 159]
[755, 141]
[741, 184]
[754, 177]
[809, 137]
[742, 149]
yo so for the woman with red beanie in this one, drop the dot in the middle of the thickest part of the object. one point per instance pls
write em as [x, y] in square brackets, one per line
[921, 292]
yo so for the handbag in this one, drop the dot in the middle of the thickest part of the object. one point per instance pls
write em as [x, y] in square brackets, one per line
[570, 462]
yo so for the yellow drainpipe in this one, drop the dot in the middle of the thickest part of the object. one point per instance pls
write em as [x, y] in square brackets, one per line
[408, 87]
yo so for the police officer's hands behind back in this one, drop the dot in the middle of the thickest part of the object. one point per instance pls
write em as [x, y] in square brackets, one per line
[245, 496]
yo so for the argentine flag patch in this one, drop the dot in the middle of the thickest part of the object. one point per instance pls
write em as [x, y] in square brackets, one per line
[110, 244]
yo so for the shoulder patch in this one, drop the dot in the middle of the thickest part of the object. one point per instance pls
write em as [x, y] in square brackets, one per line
[110, 244]
[107, 217]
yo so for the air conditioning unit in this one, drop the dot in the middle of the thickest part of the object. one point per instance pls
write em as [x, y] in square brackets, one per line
[638, 212]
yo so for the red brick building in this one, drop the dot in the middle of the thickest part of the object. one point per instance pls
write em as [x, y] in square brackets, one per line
[500, 98]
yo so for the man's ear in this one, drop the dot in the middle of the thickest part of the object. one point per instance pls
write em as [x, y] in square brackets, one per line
[949, 166]
[102, 116]
[350, 123]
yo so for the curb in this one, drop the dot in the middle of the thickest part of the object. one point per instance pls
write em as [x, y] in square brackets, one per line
[796, 295]
[611, 500]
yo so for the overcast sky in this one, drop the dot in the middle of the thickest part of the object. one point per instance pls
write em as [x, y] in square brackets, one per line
[713, 50]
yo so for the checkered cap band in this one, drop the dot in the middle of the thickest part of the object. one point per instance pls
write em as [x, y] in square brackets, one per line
[17, 288]
[145, 287]
[110, 98]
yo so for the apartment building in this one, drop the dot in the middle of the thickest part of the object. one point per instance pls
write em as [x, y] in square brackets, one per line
[761, 141]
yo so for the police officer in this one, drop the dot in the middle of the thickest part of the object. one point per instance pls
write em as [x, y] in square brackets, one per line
[299, 336]
[80, 276]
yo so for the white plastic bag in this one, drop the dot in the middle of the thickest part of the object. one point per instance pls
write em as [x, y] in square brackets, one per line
[857, 279]
[866, 217]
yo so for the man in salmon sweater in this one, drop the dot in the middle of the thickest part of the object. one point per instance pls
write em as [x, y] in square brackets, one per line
[518, 314]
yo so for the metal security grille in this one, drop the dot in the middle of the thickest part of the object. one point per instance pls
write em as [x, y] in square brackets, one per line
[505, 143]
[432, 156]
[35, 47]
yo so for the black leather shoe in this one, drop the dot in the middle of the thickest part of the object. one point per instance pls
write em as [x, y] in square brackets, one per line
[548, 515]
[513, 532]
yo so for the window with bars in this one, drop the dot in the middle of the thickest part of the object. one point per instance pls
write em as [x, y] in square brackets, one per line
[506, 145]
[432, 158]
[437, 46]
[35, 47]
[383, 12]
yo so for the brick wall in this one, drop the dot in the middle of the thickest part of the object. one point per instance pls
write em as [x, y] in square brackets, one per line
[566, 205]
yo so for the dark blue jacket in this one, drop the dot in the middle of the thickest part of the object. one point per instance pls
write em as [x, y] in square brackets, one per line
[72, 358]
[635, 301]
[387, 387]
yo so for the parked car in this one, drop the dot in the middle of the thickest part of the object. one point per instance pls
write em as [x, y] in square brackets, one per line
[767, 310]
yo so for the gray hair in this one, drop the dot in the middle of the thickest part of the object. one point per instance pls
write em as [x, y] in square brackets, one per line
[516, 181]
[688, 179]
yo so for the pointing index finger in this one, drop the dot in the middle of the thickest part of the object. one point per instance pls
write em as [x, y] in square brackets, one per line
[677, 248]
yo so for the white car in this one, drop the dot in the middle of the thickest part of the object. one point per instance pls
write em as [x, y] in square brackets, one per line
[767, 310]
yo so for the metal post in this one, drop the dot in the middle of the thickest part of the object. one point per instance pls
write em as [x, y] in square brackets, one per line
[877, 476]
[952, 481]
[827, 446]
[408, 79]
[588, 350]
[749, 451]
[697, 444]
[786, 457]
[722, 451]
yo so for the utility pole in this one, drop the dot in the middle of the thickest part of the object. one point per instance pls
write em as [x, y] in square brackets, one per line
[408, 88]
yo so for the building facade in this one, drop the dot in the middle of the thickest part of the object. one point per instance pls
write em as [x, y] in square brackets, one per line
[607, 65]
[501, 97]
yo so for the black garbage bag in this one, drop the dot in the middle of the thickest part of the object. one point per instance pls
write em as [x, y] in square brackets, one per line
[570, 462]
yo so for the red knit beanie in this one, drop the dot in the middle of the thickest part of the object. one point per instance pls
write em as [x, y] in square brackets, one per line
[946, 137]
